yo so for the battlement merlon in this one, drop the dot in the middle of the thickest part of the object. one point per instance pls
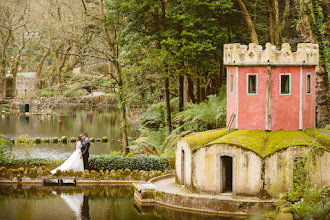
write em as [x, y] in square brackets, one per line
[307, 54]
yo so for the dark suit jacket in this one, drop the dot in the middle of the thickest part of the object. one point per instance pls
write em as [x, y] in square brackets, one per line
[85, 148]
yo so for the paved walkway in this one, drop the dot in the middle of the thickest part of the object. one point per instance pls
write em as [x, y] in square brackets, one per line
[169, 186]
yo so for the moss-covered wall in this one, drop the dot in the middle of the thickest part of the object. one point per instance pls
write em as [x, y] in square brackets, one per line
[279, 169]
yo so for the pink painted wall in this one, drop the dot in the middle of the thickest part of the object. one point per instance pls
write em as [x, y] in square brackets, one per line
[231, 97]
[252, 107]
[285, 108]
[308, 99]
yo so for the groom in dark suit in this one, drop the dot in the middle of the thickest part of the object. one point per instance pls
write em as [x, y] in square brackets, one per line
[85, 150]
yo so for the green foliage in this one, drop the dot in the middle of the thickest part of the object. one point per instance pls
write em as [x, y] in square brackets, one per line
[4, 107]
[209, 114]
[132, 163]
[321, 136]
[3, 147]
[7, 162]
[48, 92]
[113, 154]
[23, 141]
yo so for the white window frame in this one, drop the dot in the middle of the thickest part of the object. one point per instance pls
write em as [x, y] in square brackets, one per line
[247, 83]
[280, 84]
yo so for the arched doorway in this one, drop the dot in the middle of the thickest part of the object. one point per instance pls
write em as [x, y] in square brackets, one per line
[226, 174]
[26, 107]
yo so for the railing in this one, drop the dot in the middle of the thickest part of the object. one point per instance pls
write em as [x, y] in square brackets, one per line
[232, 117]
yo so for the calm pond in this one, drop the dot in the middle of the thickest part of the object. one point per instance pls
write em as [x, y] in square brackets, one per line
[82, 202]
[65, 122]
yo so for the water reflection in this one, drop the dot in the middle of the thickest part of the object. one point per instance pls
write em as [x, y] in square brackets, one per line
[67, 122]
[78, 203]
[83, 202]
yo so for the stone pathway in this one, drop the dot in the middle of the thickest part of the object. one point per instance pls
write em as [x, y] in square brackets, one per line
[169, 186]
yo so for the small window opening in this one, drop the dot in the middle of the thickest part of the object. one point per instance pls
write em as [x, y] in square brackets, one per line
[252, 84]
[231, 83]
[285, 84]
[308, 86]
[182, 168]
[227, 174]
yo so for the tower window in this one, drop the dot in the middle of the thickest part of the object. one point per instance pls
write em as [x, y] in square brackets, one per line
[285, 84]
[231, 83]
[308, 84]
[252, 83]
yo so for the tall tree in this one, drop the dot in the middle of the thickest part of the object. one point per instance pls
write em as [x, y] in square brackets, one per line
[312, 30]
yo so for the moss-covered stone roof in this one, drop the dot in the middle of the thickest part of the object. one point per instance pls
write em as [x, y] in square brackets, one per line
[199, 139]
[262, 143]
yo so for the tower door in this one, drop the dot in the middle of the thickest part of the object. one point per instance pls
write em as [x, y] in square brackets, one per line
[182, 168]
[226, 174]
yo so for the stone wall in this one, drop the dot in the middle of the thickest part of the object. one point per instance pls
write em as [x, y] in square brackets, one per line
[279, 169]
[208, 170]
[183, 146]
[252, 175]
[26, 85]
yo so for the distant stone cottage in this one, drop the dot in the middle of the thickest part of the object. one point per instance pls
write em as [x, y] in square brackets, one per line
[271, 99]
[26, 86]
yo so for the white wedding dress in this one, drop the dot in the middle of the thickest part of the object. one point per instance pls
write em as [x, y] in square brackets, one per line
[74, 162]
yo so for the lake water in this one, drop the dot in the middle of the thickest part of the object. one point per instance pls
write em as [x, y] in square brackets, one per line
[65, 122]
[82, 202]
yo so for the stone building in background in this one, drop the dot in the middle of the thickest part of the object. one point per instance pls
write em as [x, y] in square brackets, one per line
[26, 86]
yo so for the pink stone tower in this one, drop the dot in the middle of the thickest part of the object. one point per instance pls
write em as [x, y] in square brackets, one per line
[271, 89]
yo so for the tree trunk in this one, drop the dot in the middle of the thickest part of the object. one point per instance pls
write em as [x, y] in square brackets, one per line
[73, 58]
[198, 90]
[247, 18]
[168, 105]
[59, 70]
[311, 34]
[3, 69]
[41, 63]
[181, 103]
[186, 97]
[191, 90]
[122, 109]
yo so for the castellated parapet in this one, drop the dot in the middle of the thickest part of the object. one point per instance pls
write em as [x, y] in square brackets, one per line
[242, 55]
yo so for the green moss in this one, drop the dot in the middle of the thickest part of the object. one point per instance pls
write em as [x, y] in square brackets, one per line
[92, 139]
[104, 139]
[322, 136]
[278, 140]
[38, 140]
[72, 139]
[196, 140]
[64, 139]
[262, 143]
[55, 140]
[253, 140]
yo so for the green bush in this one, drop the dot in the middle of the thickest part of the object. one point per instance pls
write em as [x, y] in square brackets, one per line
[23, 141]
[132, 163]
[7, 162]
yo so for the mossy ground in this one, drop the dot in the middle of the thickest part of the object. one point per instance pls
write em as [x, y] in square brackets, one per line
[199, 139]
[322, 136]
[262, 143]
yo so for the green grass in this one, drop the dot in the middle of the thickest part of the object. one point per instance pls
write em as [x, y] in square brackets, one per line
[320, 135]
[262, 143]
[197, 140]
[253, 140]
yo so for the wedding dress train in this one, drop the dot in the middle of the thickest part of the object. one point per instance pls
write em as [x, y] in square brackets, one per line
[74, 162]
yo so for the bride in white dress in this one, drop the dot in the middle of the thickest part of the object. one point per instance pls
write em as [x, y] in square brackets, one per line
[74, 162]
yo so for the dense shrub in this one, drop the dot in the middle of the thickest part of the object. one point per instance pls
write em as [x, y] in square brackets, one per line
[132, 163]
[7, 162]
